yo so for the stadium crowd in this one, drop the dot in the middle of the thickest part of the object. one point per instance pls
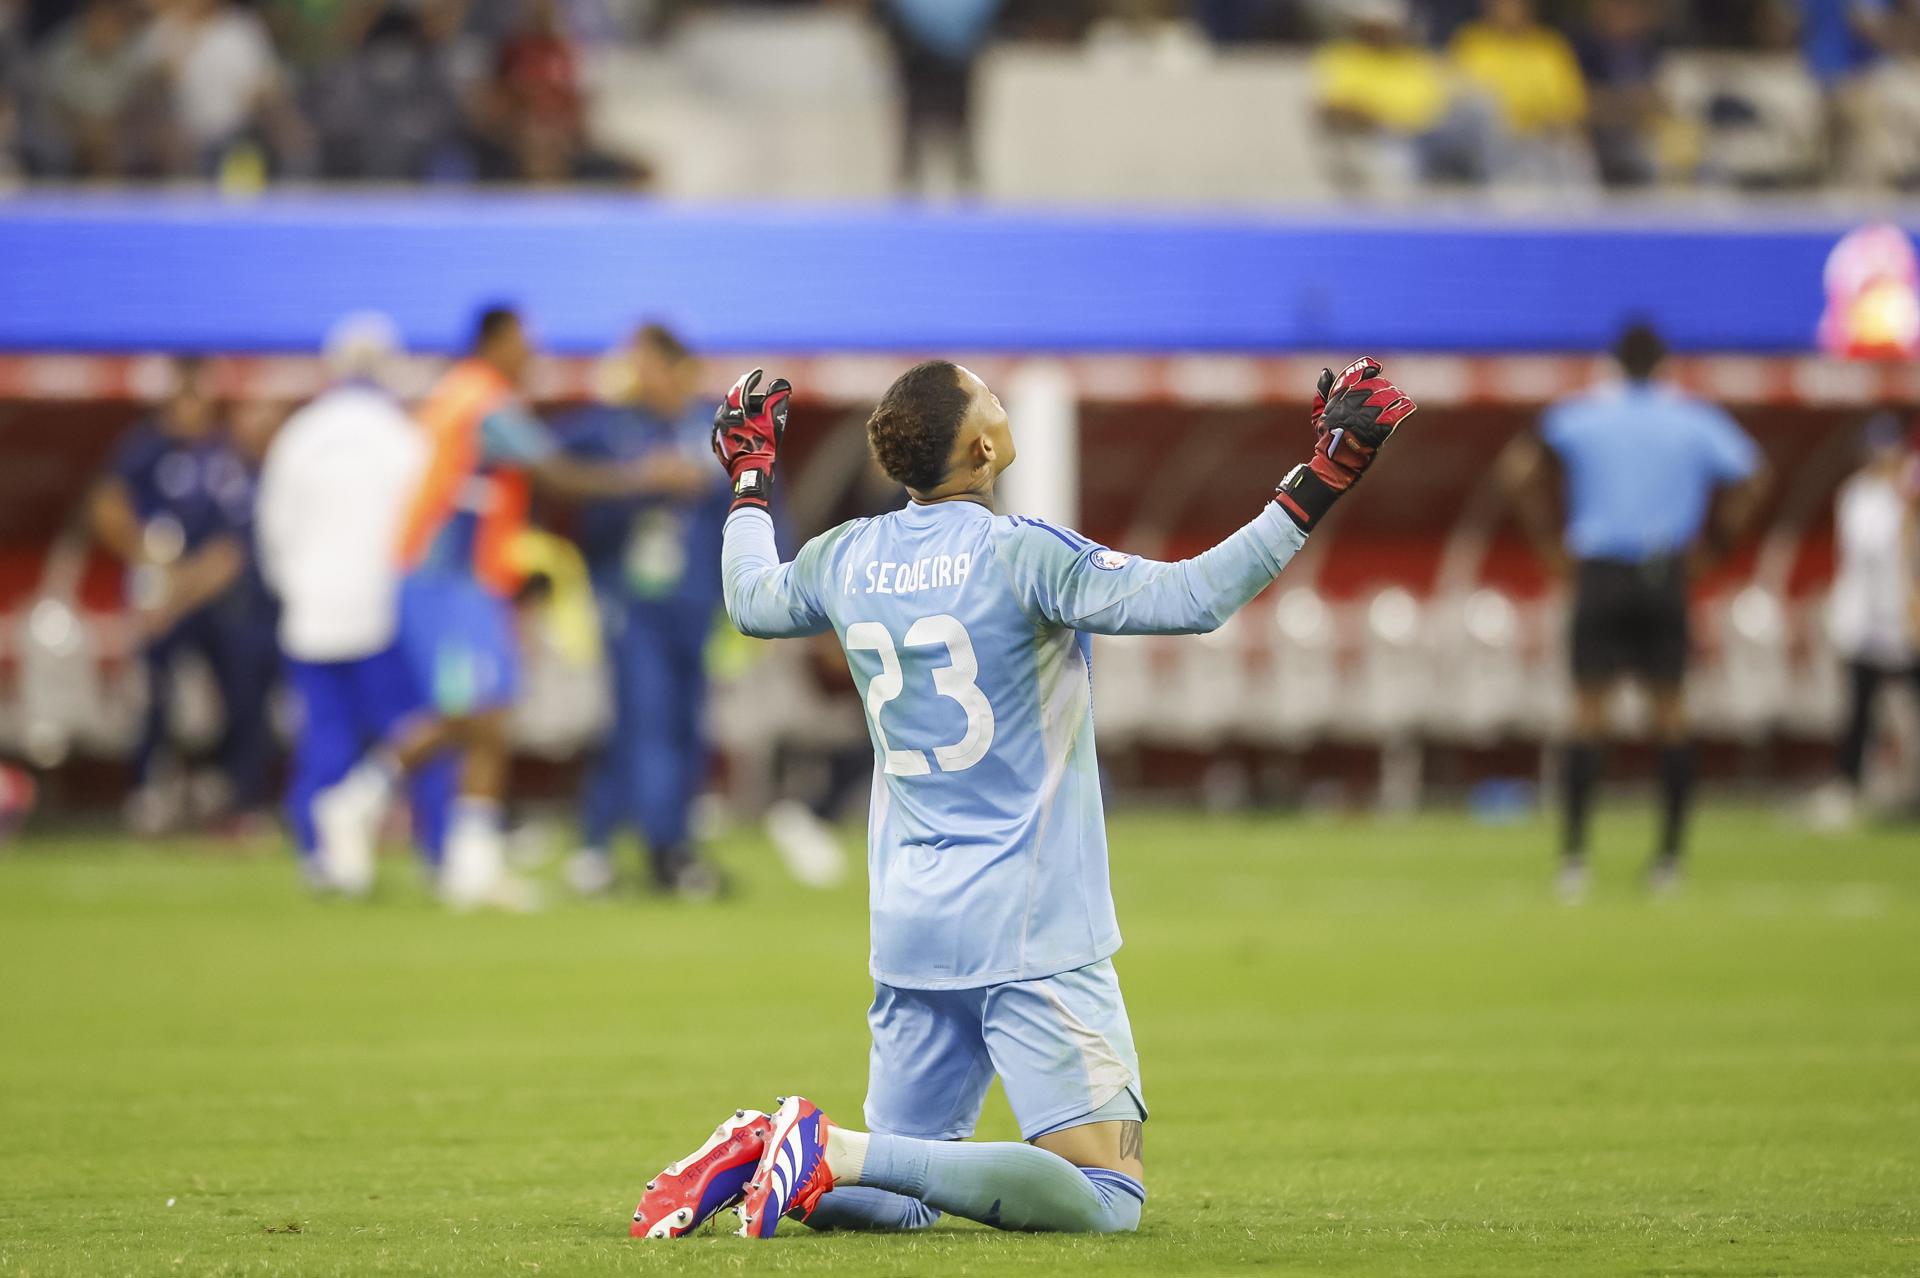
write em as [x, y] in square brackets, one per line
[464, 91]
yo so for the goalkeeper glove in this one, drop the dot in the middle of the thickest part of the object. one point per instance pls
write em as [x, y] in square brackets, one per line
[1353, 414]
[746, 436]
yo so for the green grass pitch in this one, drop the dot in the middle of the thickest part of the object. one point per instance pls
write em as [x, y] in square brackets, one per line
[1369, 1048]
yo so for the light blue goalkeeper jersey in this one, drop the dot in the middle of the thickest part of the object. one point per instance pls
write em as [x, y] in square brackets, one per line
[966, 633]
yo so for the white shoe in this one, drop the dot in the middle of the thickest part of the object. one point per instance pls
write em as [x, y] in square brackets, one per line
[807, 846]
[347, 817]
[474, 875]
[590, 872]
[1571, 885]
[1833, 808]
[475, 860]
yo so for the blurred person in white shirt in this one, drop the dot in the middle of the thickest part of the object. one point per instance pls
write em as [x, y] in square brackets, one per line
[333, 494]
[1872, 612]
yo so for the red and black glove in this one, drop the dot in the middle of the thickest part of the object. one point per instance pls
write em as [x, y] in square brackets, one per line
[1353, 414]
[746, 436]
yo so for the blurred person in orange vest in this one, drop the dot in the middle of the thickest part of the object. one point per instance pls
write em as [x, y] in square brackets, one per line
[486, 454]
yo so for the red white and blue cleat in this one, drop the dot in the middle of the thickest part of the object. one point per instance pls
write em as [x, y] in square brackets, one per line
[793, 1171]
[710, 1179]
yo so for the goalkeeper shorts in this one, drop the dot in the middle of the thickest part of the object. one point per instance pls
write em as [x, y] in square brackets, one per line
[1061, 1047]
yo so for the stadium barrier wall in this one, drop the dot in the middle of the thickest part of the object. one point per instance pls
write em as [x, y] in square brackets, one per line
[120, 273]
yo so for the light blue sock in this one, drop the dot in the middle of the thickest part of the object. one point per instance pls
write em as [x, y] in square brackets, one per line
[864, 1207]
[1005, 1185]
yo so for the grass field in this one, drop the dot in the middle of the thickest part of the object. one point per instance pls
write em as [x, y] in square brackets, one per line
[1368, 1048]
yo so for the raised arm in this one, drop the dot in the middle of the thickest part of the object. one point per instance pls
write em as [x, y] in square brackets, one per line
[1064, 579]
[765, 598]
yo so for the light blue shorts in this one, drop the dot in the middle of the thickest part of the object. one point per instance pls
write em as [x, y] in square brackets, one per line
[1061, 1047]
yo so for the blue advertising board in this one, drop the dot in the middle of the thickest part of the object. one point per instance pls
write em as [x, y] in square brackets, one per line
[126, 272]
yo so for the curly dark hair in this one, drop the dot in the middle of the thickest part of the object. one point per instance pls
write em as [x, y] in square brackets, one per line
[914, 425]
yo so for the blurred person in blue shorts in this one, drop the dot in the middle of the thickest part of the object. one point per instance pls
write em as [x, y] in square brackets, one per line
[176, 507]
[654, 558]
[462, 571]
[1641, 464]
[332, 496]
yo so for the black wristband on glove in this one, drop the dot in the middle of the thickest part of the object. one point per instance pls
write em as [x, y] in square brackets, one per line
[753, 488]
[1305, 496]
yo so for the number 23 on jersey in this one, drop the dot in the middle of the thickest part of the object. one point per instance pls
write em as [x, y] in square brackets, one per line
[954, 681]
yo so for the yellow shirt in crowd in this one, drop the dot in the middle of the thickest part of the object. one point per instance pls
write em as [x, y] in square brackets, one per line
[1531, 75]
[1401, 87]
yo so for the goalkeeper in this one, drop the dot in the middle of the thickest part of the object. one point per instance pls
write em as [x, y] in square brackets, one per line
[993, 926]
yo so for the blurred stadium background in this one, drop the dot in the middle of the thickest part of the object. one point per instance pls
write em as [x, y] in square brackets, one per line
[1148, 224]
[1142, 220]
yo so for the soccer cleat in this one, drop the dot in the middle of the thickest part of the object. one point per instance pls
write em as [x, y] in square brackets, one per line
[347, 817]
[688, 1192]
[792, 1174]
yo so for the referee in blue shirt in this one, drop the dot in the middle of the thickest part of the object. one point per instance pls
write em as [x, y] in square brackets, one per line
[1654, 483]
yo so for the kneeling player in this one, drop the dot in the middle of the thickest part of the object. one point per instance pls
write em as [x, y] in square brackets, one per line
[993, 925]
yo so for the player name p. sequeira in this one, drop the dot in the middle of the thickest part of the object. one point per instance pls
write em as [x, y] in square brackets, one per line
[883, 577]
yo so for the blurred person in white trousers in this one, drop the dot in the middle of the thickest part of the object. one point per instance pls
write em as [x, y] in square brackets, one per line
[333, 492]
[1873, 611]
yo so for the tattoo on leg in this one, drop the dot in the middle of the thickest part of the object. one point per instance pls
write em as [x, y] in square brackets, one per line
[1132, 1140]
